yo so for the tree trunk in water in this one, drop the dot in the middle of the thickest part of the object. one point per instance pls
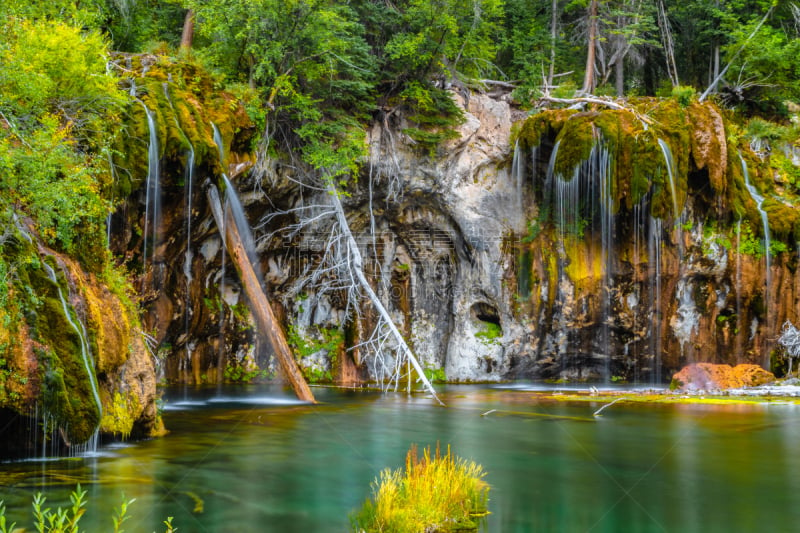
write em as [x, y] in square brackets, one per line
[259, 304]
[188, 31]
[357, 265]
[588, 80]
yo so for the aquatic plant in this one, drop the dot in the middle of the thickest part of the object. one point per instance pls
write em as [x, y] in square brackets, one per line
[60, 520]
[440, 493]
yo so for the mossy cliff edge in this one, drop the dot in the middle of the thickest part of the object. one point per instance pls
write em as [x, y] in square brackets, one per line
[661, 259]
[73, 354]
[494, 266]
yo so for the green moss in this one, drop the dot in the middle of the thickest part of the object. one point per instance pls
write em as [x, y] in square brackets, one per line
[541, 125]
[119, 415]
[575, 141]
[332, 343]
[435, 375]
[489, 333]
[632, 139]
[784, 220]
[195, 102]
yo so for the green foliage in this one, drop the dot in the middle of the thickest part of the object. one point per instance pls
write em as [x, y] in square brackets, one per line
[777, 247]
[684, 95]
[311, 62]
[59, 107]
[712, 235]
[770, 61]
[489, 333]
[451, 37]
[332, 339]
[440, 493]
[435, 375]
[305, 346]
[67, 520]
[245, 371]
[749, 244]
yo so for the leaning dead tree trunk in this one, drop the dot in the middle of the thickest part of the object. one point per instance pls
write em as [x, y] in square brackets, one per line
[667, 44]
[259, 304]
[713, 86]
[356, 266]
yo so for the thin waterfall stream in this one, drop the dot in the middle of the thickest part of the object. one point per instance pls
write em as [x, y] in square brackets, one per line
[759, 200]
[152, 218]
[86, 354]
[188, 256]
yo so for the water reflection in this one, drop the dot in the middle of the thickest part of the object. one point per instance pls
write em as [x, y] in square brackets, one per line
[256, 460]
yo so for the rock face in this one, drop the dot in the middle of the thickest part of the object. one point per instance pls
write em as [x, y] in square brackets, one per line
[76, 348]
[708, 376]
[578, 245]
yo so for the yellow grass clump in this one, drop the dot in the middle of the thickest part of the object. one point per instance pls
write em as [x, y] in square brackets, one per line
[442, 493]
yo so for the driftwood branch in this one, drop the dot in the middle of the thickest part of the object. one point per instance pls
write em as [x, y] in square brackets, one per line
[597, 413]
[596, 101]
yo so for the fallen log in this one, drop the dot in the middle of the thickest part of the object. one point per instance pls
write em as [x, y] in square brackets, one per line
[256, 298]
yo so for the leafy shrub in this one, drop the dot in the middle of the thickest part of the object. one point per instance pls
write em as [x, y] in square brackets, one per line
[684, 95]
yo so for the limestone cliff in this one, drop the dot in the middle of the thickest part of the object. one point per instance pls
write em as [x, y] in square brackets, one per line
[593, 245]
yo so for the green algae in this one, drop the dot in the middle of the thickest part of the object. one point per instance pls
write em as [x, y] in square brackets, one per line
[661, 398]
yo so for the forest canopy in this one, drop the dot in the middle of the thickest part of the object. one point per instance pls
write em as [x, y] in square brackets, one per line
[315, 71]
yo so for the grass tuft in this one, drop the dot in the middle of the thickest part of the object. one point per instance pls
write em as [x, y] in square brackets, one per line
[441, 493]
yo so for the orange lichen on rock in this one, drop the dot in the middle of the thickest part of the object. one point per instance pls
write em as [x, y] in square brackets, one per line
[709, 143]
[709, 376]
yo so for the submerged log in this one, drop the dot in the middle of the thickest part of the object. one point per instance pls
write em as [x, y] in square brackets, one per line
[257, 299]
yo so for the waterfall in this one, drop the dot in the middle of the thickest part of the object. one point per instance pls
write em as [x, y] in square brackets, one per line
[221, 354]
[152, 210]
[654, 244]
[676, 213]
[518, 177]
[188, 256]
[739, 291]
[759, 200]
[220, 144]
[86, 353]
[584, 209]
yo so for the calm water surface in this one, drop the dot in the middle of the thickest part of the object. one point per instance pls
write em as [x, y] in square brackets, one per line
[252, 459]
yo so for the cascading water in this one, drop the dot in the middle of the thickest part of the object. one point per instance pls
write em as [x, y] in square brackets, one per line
[584, 209]
[188, 256]
[221, 354]
[759, 200]
[518, 177]
[152, 210]
[654, 244]
[676, 213]
[86, 355]
[739, 291]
